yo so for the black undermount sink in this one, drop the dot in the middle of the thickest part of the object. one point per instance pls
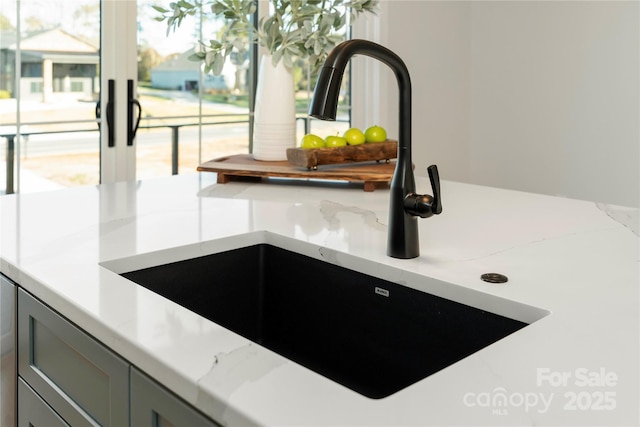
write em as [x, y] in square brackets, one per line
[370, 335]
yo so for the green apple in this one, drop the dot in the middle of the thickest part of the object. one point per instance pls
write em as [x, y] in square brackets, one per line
[354, 136]
[333, 141]
[375, 134]
[311, 141]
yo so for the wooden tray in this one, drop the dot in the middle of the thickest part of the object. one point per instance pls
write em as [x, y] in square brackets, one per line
[311, 158]
[373, 175]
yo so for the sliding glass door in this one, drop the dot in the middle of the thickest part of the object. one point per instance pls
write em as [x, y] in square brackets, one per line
[49, 87]
[119, 108]
[188, 117]
[95, 91]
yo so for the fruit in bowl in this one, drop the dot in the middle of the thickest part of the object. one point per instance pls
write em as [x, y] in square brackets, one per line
[312, 141]
[354, 136]
[333, 141]
[375, 134]
[351, 147]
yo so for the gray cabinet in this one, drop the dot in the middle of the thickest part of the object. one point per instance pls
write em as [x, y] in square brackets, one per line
[34, 411]
[83, 381]
[153, 405]
[66, 377]
[7, 352]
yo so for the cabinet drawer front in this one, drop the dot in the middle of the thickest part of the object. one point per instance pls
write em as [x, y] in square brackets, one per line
[33, 411]
[81, 379]
[153, 405]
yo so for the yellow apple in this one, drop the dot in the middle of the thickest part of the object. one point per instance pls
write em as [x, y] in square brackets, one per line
[375, 134]
[333, 141]
[354, 136]
[311, 141]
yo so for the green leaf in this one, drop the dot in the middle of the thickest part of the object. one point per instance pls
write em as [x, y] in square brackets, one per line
[210, 56]
[295, 50]
[294, 36]
[160, 9]
[185, 4]
[287, 59]
[218, 64]
[305, 29]
[217, 8]
[276, 57]
[268, 23]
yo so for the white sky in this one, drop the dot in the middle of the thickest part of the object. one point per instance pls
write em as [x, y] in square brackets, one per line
[60, 12]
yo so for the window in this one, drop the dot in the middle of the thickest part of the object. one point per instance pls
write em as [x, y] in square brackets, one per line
[36, 87]
[77, 86]
[49, 132]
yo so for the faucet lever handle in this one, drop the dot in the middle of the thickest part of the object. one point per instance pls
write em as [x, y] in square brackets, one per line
[434, 177]
[425, 205]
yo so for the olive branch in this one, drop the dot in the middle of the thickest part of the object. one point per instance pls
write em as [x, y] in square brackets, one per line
[306, 29]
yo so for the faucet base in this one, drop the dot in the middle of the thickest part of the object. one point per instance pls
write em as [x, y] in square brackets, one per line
[403, 242]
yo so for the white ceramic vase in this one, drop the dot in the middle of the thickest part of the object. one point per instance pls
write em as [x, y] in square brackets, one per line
[274, 125]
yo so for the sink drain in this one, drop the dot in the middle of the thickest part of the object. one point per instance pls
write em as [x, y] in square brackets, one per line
[494, 278]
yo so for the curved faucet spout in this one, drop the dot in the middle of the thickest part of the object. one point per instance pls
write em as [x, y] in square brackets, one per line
[324, 104]
[403, 228]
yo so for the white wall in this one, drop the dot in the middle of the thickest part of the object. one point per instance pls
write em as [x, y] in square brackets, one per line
[532, 96]
[432, 38]
[554, 98]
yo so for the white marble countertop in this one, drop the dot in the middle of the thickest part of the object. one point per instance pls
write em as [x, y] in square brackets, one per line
[578, 260]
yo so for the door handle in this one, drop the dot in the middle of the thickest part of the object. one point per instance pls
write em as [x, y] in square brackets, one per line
[98, 113]
[131, 128]
[111, 124]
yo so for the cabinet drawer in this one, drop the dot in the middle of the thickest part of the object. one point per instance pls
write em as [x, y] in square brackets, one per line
[154, 406]
[33, 411]
[83, 381]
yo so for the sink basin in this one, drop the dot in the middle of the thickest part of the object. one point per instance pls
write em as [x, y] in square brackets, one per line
[371, 335]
